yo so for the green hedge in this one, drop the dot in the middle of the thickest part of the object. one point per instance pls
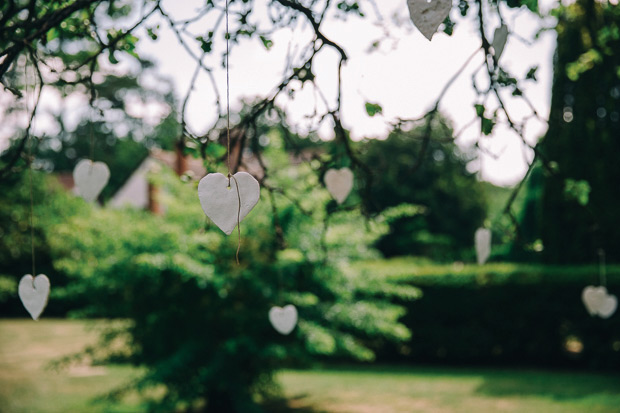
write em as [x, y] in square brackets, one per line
[503, 314]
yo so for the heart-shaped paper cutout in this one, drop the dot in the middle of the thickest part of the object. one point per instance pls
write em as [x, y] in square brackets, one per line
[90, 178]
[592, 297]
[608, 306]
[283, 319]
[34, 291]
[221, 202]
[599, 302]
[427, 15]
[483, 244]
[500, 36]
[339, 183]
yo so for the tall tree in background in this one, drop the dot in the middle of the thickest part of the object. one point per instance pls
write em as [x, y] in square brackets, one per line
[581, 189]
[452, 200]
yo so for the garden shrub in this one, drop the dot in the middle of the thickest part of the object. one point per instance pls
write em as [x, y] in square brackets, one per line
[196, 320]
[503, 314]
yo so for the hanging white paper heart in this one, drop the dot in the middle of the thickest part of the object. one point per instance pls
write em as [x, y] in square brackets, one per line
[34, 291]
[90, 178]
[427, 15]
[283, 319]
[483, 244]
[590, 297]
[599, 302]
[221, 202]
[339, 183]
[608, 306]
[499, 41]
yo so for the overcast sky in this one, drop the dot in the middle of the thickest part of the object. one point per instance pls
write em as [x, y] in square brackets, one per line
[405, 76]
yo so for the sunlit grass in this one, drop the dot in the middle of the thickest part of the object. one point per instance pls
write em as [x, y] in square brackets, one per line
[406, 389]
[416, 268]
[27, 386]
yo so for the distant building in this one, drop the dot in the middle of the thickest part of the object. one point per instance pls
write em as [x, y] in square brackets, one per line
[139, 193]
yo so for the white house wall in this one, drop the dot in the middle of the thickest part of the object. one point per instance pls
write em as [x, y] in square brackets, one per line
[135, 192]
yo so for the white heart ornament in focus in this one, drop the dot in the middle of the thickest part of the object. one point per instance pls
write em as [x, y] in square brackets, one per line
[90, 178]
[34, 292]
[599, 302]
[221, 202]
[339, 183]
[428, 15]
[500, 36]
[283, 319]
[482, 240]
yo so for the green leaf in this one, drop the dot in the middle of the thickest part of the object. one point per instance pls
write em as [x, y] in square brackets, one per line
[584, 63]
[577, 190]
[504, 79]
[215, 150]
[532, 5]
[268, 43]
[463, 7]
[52, 34]
[205, 44]
[448, 26]
[152, 32]
[373, 109]
[350, 7]
[112, 58]
[487, 125]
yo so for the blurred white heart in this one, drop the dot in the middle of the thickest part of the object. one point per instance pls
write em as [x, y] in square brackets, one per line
[499, 41]
[599, 302]
[608, 306]
[483, 244]
[339, 183]
[220, 202]
[90, 178]
[34, 292]
[283, 319]
[427, 15]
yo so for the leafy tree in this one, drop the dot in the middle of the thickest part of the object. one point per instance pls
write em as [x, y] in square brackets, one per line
[87, 36]
[578, 171]
[451, 199]
[52, 205]
[197, 321]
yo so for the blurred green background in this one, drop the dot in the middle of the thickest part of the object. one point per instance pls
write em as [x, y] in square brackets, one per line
[149, 311]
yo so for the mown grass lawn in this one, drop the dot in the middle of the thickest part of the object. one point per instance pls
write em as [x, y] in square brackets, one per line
[27, 386]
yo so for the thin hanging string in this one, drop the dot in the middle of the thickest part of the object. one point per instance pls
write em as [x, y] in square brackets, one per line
[92, 136]
[227, 94]
[30, 137]
[228, 136]
[602, 269]
[34, 273]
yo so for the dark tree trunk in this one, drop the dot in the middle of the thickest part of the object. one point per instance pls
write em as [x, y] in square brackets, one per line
[583, 140]
[220, 402]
